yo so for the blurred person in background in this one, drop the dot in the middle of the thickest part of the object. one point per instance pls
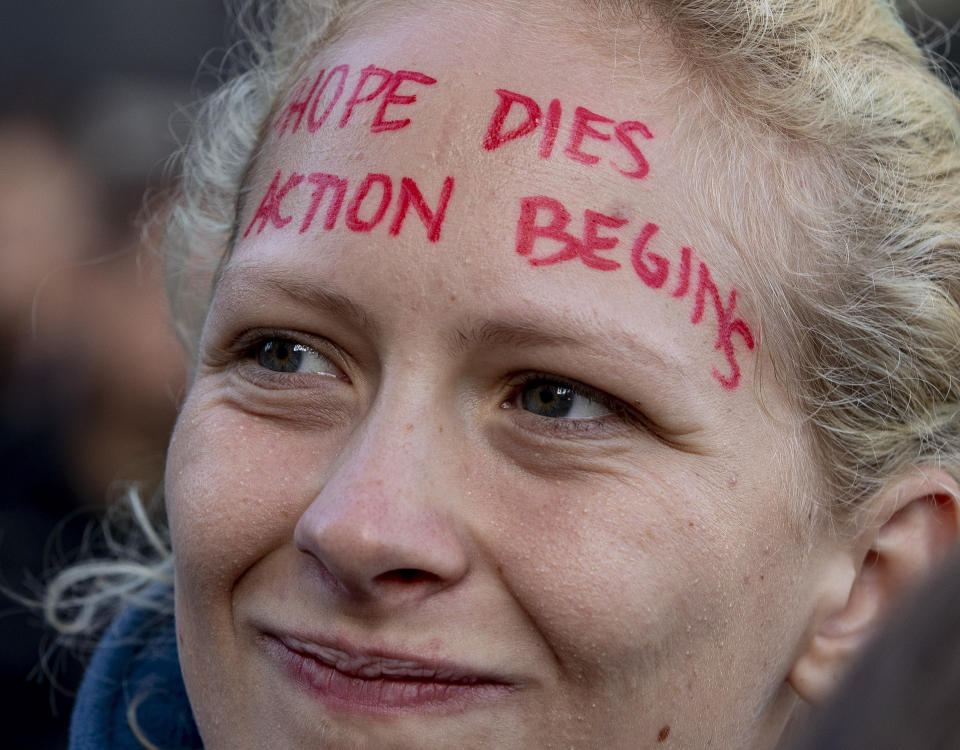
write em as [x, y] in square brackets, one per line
[49, 219]
[90, 376]
[91, 373]
[904, 691]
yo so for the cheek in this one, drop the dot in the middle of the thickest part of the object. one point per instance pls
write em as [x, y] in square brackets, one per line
[235, 488]
[646, 565]
[568, 546]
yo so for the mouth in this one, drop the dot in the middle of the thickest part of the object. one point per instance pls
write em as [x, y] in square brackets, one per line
[354, 681]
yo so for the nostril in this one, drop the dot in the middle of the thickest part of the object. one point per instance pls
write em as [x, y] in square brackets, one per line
[408, 575]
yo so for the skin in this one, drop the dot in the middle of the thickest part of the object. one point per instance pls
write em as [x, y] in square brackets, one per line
[635, 569]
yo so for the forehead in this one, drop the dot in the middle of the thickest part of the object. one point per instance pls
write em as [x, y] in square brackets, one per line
[551, 172]
[490, 94]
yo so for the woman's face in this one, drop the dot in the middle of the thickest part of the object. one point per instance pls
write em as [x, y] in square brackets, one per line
[474, 456]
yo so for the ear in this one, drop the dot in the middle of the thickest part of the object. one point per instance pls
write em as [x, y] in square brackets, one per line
[914, 523]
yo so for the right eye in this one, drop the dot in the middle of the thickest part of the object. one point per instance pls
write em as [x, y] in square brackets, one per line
[279, 354]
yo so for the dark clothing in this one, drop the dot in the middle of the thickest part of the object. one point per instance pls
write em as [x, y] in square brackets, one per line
[135, 664]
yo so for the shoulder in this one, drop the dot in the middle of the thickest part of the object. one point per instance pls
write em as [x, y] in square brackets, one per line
[133, 686]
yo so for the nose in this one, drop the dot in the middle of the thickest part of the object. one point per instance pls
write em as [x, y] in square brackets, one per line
[384, 527]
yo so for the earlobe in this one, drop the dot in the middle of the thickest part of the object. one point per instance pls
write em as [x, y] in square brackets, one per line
[819, 665]
[914, 523]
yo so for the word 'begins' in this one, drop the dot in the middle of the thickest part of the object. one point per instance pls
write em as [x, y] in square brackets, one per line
[651, 268]
[314, 99]
[270, 209]
[582, 128]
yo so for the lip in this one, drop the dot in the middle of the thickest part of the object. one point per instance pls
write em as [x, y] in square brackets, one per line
[357, 681]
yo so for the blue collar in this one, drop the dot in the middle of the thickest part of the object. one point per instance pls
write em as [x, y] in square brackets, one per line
[135, 664]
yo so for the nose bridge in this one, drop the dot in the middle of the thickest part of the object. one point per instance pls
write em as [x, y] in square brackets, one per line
[385, 524]
[395, 450]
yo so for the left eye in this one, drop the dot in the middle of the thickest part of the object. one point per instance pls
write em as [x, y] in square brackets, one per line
[286, 355]
[558, 400]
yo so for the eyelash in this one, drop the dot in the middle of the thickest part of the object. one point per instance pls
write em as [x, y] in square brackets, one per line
[245, 349]
[620, 413]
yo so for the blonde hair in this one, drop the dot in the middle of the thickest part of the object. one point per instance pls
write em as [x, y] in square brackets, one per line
[847, 207]
[854, 218]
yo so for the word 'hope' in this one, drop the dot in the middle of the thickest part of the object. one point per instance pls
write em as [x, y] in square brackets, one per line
[316, 97]
[368, 205]
[653, 269]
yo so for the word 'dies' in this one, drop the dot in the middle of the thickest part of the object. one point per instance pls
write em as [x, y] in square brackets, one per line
[518, 116]
[316, 97]
[653, 269]
[369, 203]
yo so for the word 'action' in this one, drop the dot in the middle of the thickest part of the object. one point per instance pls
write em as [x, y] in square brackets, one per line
[653, 269]
[365, 202]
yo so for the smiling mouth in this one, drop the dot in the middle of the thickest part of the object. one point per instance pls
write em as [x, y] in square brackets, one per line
[373, 684]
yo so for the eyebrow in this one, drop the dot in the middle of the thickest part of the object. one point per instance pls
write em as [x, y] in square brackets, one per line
[307, 294]
[518, 335]
[521, 332]
[563, 332]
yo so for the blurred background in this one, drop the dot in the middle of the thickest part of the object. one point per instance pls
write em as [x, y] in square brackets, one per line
[91, 374]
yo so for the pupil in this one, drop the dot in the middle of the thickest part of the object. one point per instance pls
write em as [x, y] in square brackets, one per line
[548, 400]
[280, 356]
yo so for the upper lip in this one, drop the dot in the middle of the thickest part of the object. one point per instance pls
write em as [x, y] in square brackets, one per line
[375, 664]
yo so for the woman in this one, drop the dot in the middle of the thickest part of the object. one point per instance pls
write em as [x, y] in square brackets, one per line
[573, 376]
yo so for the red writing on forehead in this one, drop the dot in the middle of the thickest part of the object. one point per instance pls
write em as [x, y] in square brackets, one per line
[518, 116]
[546, 221]
[315, 98]
[369, 203]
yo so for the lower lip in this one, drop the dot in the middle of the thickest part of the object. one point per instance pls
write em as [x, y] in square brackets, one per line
[357, 695]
